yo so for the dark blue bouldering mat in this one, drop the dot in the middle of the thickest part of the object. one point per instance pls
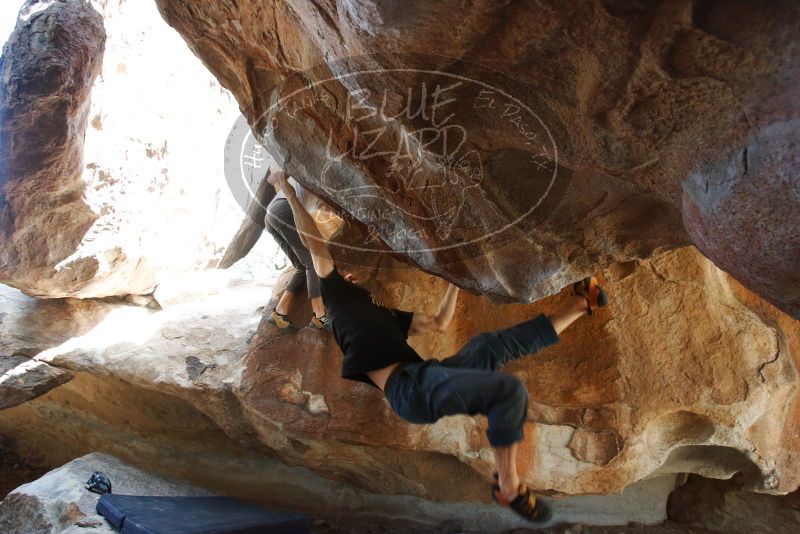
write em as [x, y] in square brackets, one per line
[131, 514]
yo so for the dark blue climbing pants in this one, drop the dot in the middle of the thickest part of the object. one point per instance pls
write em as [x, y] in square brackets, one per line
[470, 382]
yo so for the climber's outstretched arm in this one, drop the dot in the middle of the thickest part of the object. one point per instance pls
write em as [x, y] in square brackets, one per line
[307, 230]
[423, 324]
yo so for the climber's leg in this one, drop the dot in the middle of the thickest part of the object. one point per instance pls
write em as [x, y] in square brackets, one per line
[317, 307]
[508, 480]
[293, 287]
[491, 351]
[285, 302]
[570, 311]
[427, 391]
[280, 220]
[310, 279]
[278, 215]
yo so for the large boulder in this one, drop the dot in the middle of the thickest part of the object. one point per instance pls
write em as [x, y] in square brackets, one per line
[513, 147]
[48, 67]
[165, 390]
[112, 137]
[591, 136]
[686, 372]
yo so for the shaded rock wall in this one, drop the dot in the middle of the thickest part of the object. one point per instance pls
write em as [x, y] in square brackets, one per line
[656, 124]
[14, 471]
[722, 506]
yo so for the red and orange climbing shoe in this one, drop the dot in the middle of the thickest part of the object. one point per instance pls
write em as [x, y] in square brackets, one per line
[525, 504]
[281, 321]
[590, 289]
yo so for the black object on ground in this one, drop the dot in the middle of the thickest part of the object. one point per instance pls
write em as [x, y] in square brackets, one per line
[99, 483]
[132, 514]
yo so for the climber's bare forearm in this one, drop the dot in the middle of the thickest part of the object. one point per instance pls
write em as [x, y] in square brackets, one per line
[309, 233]
[424, 324]
[447, 308]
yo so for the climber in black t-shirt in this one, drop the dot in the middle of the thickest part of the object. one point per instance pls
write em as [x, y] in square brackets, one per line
[373, 340]
[366, 350]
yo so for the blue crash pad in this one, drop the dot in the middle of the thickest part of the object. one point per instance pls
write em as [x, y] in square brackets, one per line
[132, 514]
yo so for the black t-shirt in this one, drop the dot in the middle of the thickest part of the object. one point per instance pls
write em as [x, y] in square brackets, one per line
[370, 335]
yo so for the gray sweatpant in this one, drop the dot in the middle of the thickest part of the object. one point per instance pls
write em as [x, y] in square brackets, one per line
[280, 223]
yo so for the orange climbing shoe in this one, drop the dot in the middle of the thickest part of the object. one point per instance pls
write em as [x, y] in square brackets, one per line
[525, 504]
[281, 321]
[590, 289]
